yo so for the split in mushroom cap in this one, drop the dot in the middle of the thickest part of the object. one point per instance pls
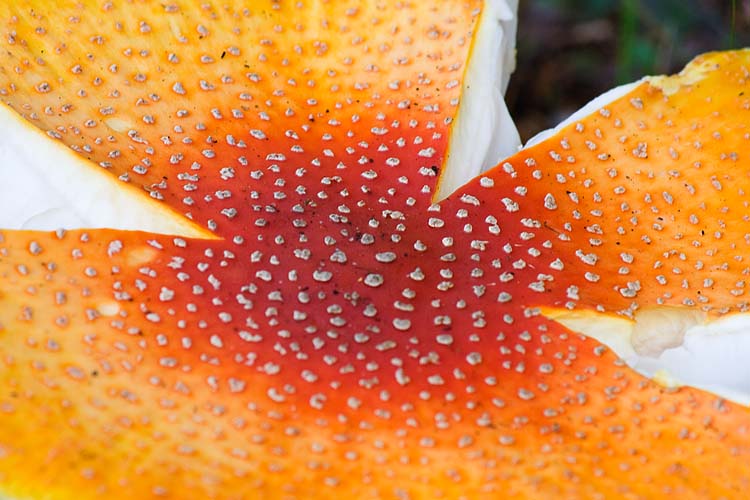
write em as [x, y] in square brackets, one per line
[330, 88]
[347, 336]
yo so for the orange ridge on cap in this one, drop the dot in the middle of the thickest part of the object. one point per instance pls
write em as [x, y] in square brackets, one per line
[646, 200]
[346, 336]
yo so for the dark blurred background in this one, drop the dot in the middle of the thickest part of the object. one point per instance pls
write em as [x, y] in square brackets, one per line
[570, 51]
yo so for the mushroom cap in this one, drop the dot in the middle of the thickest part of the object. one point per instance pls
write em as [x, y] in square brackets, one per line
[344, 334]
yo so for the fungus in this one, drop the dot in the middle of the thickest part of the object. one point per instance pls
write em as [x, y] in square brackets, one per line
[320, 324]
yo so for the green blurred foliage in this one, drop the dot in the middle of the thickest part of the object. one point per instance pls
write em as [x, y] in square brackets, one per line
[570, 51]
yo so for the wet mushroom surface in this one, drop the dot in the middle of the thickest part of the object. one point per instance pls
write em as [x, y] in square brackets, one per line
[314, 318]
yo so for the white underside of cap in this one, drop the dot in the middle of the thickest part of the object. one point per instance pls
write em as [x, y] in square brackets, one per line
[45, 186]
[591, 107]
[483, 131]
[712, 355]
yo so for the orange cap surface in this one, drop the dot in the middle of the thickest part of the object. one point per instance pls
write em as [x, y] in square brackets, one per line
[346, 336]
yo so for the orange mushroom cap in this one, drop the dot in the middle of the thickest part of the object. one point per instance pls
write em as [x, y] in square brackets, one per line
[345, 335]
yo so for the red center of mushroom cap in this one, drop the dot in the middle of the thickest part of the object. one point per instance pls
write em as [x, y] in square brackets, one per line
[345, 334]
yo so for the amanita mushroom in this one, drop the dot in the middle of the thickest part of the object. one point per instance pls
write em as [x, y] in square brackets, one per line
[319, 325]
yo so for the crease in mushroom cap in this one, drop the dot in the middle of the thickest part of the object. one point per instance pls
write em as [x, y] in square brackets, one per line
[674, 346]
[57, 189]
[46, 186]
[483, 131]
[708, 354]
